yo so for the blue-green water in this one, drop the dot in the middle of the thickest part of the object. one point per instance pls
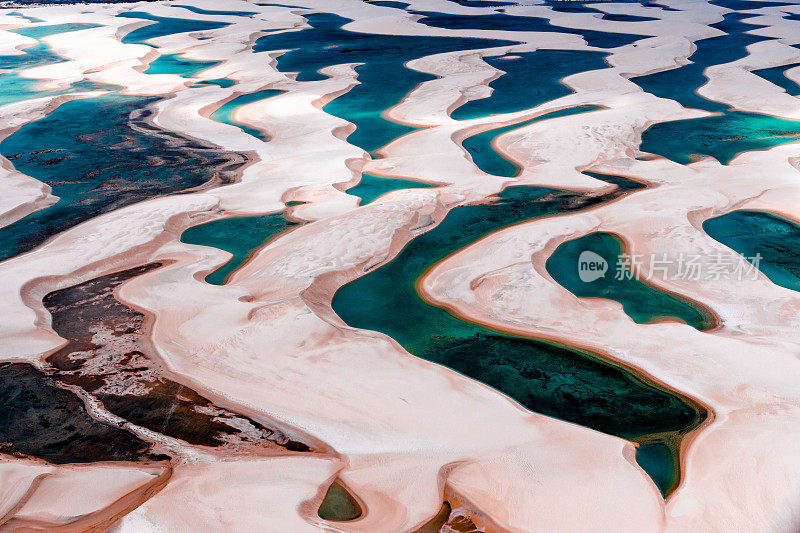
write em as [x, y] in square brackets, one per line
[225, 112]
[96, 159]
[164, 26]
[212, 12]
[777, 75]
[28, 17]
[529, 80]
[681, 83]
[741, 5]
[490, 161]
[384, 80]
[14, 88]
[719, 136]
[757, 233]
[326, 43]
[552, 380]
[580, 7]
[220, 82]
[39, 32]
[108, 160]
[642, 302]
[501, 22]
[482, 3]
[371, 187]
[545, 378]
[728, 132]
[660, 460]
[176, 64]
[240, 236]
[574, 6]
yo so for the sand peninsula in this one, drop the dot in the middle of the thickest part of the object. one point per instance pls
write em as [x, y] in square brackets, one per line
[138, 396]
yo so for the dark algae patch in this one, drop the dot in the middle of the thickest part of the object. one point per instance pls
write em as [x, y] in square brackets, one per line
[101, 154]
[109, 356]
[338, 505]
[39, 419]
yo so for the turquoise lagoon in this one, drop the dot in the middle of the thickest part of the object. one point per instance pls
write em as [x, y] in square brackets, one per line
[14, 88]
[113, 158]
[722, 137]
[530, 79]
[165, 26]
[384, 80]
[239, 235]
[225, 112]
[548, 379]
[643, 303]
[490, 160]
[175, 64]
[777, 76]
[760, 234]
[727, 133]
[371, 187]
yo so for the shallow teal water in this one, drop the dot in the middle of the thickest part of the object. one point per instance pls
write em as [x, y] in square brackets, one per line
[643, 303]
[548, 379]
[491, 161]
[659, 460]
[225, 112]
[175, 64]
[28, 17]
[240, 236]
[775, 239]
[719, 136]
[220, 82]
[729, 132]
[14, 88]
[384, 59]
[371, 187]
[545, 378]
